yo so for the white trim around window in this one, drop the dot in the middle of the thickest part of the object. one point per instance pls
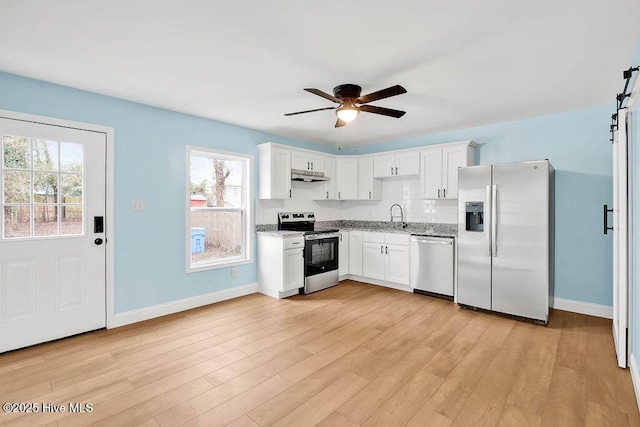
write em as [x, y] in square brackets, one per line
[242, 207]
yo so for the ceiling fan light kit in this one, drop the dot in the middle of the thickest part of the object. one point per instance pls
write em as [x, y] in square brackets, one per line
[347, 112]
[351, 103]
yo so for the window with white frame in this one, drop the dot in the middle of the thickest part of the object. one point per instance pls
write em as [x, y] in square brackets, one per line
[218, 203]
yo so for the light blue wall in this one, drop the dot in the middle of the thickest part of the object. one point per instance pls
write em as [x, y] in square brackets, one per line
[150, 165]
[577, 144]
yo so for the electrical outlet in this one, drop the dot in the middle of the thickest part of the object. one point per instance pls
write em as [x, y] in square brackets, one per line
[234, 272]
[137, 205]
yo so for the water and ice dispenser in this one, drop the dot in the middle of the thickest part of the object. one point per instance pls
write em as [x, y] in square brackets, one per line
[474, 218]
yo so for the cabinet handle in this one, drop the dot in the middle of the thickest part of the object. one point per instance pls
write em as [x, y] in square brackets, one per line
[386, 249]
[308, 166]
[338, 195]
[381, 248]
[438, 193]
[289, 193]
[369, 195]
[391, 170]
[311, 165]
[396, 170]
[327, 194]
[445, 193]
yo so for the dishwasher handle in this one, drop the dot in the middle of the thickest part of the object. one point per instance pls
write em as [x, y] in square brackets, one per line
[432, 241]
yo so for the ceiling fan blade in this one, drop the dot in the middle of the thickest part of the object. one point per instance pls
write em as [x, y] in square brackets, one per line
[384, 111]
[323, 94]
[381, 94]
[340, 123]
[310, 111]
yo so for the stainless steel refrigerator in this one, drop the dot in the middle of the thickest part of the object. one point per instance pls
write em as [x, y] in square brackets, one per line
[505, 238]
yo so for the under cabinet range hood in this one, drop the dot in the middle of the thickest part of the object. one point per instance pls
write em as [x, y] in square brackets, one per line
[308, 176]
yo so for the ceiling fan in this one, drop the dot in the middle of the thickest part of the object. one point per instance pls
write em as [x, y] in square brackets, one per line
[351, 103]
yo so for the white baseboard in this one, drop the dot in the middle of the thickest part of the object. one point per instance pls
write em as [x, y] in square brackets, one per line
[588, 308]
[635, 377]
[378, 282]
[133, 316]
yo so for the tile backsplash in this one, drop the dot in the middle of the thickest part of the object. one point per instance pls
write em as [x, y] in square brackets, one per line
[402, 190]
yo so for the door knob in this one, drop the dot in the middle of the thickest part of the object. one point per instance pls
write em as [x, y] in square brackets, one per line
[98, 241]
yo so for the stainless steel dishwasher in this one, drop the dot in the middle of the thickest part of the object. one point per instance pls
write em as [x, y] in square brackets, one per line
[431, 264]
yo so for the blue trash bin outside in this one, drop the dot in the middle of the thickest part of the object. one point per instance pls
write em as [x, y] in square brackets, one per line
[197, 240]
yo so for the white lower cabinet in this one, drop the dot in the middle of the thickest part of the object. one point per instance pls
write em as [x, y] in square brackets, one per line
[355, 253]
[397, 264]
[343, 253]
[280, 264]
[373, 260]
[293, 269]
[385, 256]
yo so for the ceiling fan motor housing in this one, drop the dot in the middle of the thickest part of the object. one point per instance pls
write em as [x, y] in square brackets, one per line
[347, 91]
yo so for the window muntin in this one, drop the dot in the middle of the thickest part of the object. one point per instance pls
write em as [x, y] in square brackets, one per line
[42, 188]
[218, 204]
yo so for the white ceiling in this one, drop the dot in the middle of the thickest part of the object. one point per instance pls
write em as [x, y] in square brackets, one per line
[464, 63]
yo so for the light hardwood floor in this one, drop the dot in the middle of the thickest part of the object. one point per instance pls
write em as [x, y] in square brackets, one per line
[355, 354]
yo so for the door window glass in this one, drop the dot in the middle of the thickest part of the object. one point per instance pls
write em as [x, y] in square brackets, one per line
[42, 187]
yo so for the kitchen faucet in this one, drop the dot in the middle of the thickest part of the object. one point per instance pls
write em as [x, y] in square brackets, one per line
[402, 223]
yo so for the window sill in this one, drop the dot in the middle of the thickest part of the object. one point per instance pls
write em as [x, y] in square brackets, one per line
[226, 264]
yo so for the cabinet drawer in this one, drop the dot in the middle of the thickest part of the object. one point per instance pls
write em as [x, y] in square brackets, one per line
[293, 242]
[372, 237]
[397, 238]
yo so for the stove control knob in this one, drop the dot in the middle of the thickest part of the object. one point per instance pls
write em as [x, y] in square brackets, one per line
[285, 216]
[311, 216]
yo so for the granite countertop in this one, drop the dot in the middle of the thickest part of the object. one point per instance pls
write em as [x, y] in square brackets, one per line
[431, 229]
[283, 233]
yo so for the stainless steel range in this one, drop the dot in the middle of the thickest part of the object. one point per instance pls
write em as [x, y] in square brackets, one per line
[320, 249]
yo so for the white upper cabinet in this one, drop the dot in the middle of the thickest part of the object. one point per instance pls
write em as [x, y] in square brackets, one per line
[330, 187]
[439, 169]
[347, 174]
[274, 172]
[304, 160]
[369, 188]
[400, 163]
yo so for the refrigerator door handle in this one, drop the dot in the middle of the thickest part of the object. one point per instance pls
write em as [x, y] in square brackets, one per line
[494, 220]
[487, 234]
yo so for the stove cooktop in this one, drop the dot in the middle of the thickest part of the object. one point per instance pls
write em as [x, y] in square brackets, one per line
[321, 231]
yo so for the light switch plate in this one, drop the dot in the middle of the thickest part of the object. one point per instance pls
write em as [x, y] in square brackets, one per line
[137, 205]
[234, 272]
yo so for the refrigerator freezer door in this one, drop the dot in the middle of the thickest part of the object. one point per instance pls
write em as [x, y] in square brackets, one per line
[520, 272]
[474, 254]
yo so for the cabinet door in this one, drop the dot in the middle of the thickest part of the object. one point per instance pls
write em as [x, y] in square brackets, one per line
[280, 174]
[452, 159]
[330, 172]
[407, 163]
[343, 253]
[299, 161]
[355, 253]
[316, 162]
[293, 269]
[397, 264]
[384, 165]
[373, 260]
[431, 174]
[365, 178]
[347, 178]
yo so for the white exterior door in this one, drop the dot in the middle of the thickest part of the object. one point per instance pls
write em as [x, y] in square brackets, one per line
[52, 265]
[620, 239]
